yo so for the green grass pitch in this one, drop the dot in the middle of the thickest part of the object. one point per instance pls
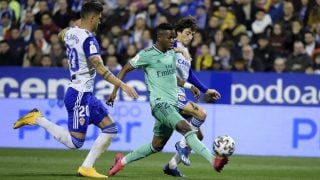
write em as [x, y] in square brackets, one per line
[62, 164]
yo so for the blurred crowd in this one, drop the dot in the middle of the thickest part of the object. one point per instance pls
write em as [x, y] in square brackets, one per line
[233, 35]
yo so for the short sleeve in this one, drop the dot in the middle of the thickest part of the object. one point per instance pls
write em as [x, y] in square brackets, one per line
[91, 47]
[139, 60]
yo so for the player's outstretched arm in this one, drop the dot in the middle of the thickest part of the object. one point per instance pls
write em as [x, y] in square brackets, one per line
[108, 76]
[122, 74]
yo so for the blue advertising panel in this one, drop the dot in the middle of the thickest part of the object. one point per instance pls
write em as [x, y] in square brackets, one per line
[257, 130]
[235, 88]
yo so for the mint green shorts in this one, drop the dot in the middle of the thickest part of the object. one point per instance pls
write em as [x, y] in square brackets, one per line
[167, 117]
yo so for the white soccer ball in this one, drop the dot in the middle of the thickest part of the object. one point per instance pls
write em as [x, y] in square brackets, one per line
[224, 146]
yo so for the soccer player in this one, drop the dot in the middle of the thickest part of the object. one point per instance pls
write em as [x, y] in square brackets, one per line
[196, 115]
[83, 108]
[159, 65]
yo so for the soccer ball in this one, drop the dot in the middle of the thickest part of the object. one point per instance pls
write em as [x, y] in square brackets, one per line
[224, 146]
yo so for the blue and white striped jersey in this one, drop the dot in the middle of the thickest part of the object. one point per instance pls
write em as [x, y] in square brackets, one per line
[81, 45]
[182, 66]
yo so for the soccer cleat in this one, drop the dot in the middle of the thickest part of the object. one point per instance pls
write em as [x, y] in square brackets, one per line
[183, 153]
[219, 162]
[172, 172]
[117, 165]
[28, 119]
[90, 172]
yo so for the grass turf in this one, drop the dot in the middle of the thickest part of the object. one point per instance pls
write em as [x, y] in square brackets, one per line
[63, 164]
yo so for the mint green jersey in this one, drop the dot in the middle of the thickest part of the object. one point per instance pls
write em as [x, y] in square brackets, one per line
[160, 74]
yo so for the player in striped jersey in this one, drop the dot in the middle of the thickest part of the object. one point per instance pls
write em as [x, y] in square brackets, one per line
[83, 107]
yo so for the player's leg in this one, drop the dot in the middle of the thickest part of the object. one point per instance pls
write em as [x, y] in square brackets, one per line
[198, 147]
[75, 139]
[143, 151]
[162, 133]
[195, 116]
[99, 116]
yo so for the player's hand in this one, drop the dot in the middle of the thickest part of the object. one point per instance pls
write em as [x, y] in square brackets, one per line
[213, 94]
[111, 98]
[195, 91]
[129, 90]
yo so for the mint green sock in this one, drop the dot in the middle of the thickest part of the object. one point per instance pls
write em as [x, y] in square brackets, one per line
[198, 146]
[142, 152]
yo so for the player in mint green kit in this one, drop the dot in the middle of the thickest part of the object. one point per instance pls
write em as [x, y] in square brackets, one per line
[159, 65]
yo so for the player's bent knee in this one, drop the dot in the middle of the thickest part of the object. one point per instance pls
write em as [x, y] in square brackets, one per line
[78, 142]
[202, 114]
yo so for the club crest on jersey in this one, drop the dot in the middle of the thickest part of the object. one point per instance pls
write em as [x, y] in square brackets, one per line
[81, 121]
[181, 98]
[92, 48]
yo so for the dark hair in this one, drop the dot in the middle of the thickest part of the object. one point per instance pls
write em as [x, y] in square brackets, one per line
[91, 7]
[164, 27]
[186, 22]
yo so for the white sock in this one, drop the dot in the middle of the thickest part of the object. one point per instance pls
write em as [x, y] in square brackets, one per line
[183, 142]
[99, 146]
[175, 160]
[58, 132]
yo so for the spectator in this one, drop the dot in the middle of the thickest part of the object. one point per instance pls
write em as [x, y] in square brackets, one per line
[204, 61]
[278, 40]
[212, 27]
[239, 65]
[28, 27]
[252, 63]
[316, 61]
[46, 61]
[279, 65]
[276, 10]
[218, 40]
[5, 54]
[265, 53]
[296, 34]
[153, 15]
[17, 45]
[298, 61]
[288, 16]
[314, 16]
[303, 10]
[146, 41]
[262, 24]
[131, 52]
[48, 26]
[33, 56]
[139, 27]
[201, 16]
[63, 16]
[173, 14]
[234, 29]
[112, 63]
[57, 53]
[195, 46]
[310, 43]
[223, 14]
[5, 9]
[65, 63]
[245, 12]
[41, 42]
[5, 25]
[43, 8]
[223, 59]
[244, 40]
